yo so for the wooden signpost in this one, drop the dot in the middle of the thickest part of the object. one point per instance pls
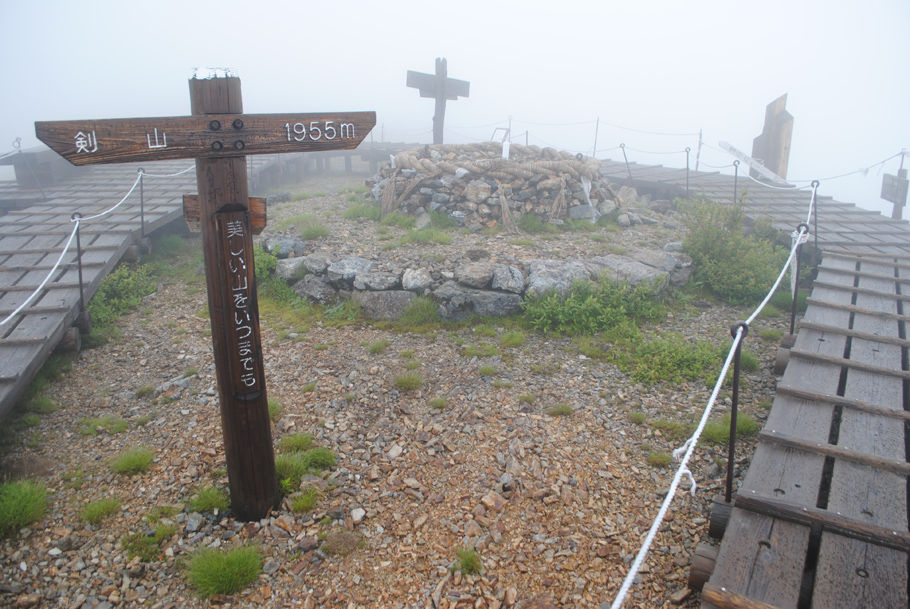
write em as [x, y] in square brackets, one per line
[219, 136]
[440, 87]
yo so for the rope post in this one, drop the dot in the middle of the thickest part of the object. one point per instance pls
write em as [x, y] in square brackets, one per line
[688, 150]
[141, 203]
[83, 320]
[815, 212]
[802, 226]
[735, 179]
[628, 169]
[731, 447]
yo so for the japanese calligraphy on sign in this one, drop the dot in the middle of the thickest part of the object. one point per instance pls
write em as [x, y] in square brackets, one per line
[242, 333]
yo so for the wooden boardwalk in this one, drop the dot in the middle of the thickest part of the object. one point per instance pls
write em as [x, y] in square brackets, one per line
[821, 518]
[32, 238]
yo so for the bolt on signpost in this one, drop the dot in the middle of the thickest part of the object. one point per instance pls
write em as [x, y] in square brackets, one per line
[218, 136]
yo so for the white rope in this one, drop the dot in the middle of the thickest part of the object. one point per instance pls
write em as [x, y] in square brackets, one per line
[683, 470]
[119, 203]
[689, 446]
[46, 279]
[167, 175]
[77, 221]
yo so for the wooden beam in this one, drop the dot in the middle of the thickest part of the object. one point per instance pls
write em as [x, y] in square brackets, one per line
[842, 401]
[192, 213]
[855, 309]
[723, 598]
[830, 521]
[829, 450]
[848, 363]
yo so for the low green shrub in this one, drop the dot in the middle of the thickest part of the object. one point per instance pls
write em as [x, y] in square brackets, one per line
[275, 409]
[96, 511]
[592, 307]
[21, 503]
[737, 267]
[305, 501]
[296, 443]
[468, 562]
[399, 219]
[512, 339]
[420, 314]
[133, 461]
[671, 358]
[218, 571]
[408, 381]
[659, 459]
[209, 499]
[438, 403]
[378, 346]
[147, 547]
[109, 424]
[560, 410]
[368, 211]
[717, 431]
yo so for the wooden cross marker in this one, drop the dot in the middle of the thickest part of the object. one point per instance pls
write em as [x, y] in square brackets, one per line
[219, 136]
[441, 87]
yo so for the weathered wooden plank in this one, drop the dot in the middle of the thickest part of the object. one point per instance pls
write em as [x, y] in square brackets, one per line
[830, 521]
[761, 559]
[837, 400]
[888, 340]
[212, 136]
[850, 572]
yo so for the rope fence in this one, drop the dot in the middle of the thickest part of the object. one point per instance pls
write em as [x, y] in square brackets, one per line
[738, 332]
[77, 219]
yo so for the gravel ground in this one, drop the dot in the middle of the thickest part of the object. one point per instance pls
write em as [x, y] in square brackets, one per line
[555, 505]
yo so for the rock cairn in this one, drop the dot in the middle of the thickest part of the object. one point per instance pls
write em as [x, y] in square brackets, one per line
[475, 185]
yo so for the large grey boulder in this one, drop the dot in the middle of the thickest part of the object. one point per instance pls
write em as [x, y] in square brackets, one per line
[290, 268]
[614, 266]
[507, 278]
[457, 302]
[475, 274]
[377, 280]
[387, 305]
[316, 289]
[558, 275]
[416, 280]
[284, 247]
[341, 273]
[317, 263]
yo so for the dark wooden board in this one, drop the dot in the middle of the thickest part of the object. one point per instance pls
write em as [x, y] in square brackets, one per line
[853, 573]
[180, 137]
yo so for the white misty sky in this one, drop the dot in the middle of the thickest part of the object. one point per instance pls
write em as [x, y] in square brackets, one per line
[554, 67]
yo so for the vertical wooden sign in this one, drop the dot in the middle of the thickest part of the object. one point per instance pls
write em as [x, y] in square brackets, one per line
[234, 310]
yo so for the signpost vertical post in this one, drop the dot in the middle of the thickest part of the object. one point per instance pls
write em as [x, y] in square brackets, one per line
[440, 87]
[220, 137]
[228, 247]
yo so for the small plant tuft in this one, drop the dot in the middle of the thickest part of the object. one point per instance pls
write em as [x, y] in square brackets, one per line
[560, 410]
[378, 346]
[21, 503]
[305, 501]
[468, 562]
[209, 499]
[110, 424]
[296, 443]
[717, 431]
[96, 511]
[409, 381]
[217, 571]
[275, 409]
[133, 461]
[438, 403]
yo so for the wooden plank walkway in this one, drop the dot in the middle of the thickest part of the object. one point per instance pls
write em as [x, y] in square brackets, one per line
[821, 518]
[32, 238]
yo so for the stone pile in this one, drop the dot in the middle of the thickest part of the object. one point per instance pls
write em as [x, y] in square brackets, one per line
[475, 185]
[473, 284]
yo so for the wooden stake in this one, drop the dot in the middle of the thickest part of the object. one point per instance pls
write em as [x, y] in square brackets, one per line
[234, 310]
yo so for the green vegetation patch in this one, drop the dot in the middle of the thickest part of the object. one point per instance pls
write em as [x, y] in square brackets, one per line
[147, 547]
[219, 571]
[671, 358]
[378, 346]
[296, 443]
[592, 307]
[717, 431]
[96, 511]
[21, 503]
[468, 561]
[737, 267]
[133, 461]
[209, 499]
[305, 501]
[119, 293]
[409, 381]
[109, 424]
[292, 467]
[560, 410]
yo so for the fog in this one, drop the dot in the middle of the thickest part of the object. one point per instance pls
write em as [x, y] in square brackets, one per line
[665, 67]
